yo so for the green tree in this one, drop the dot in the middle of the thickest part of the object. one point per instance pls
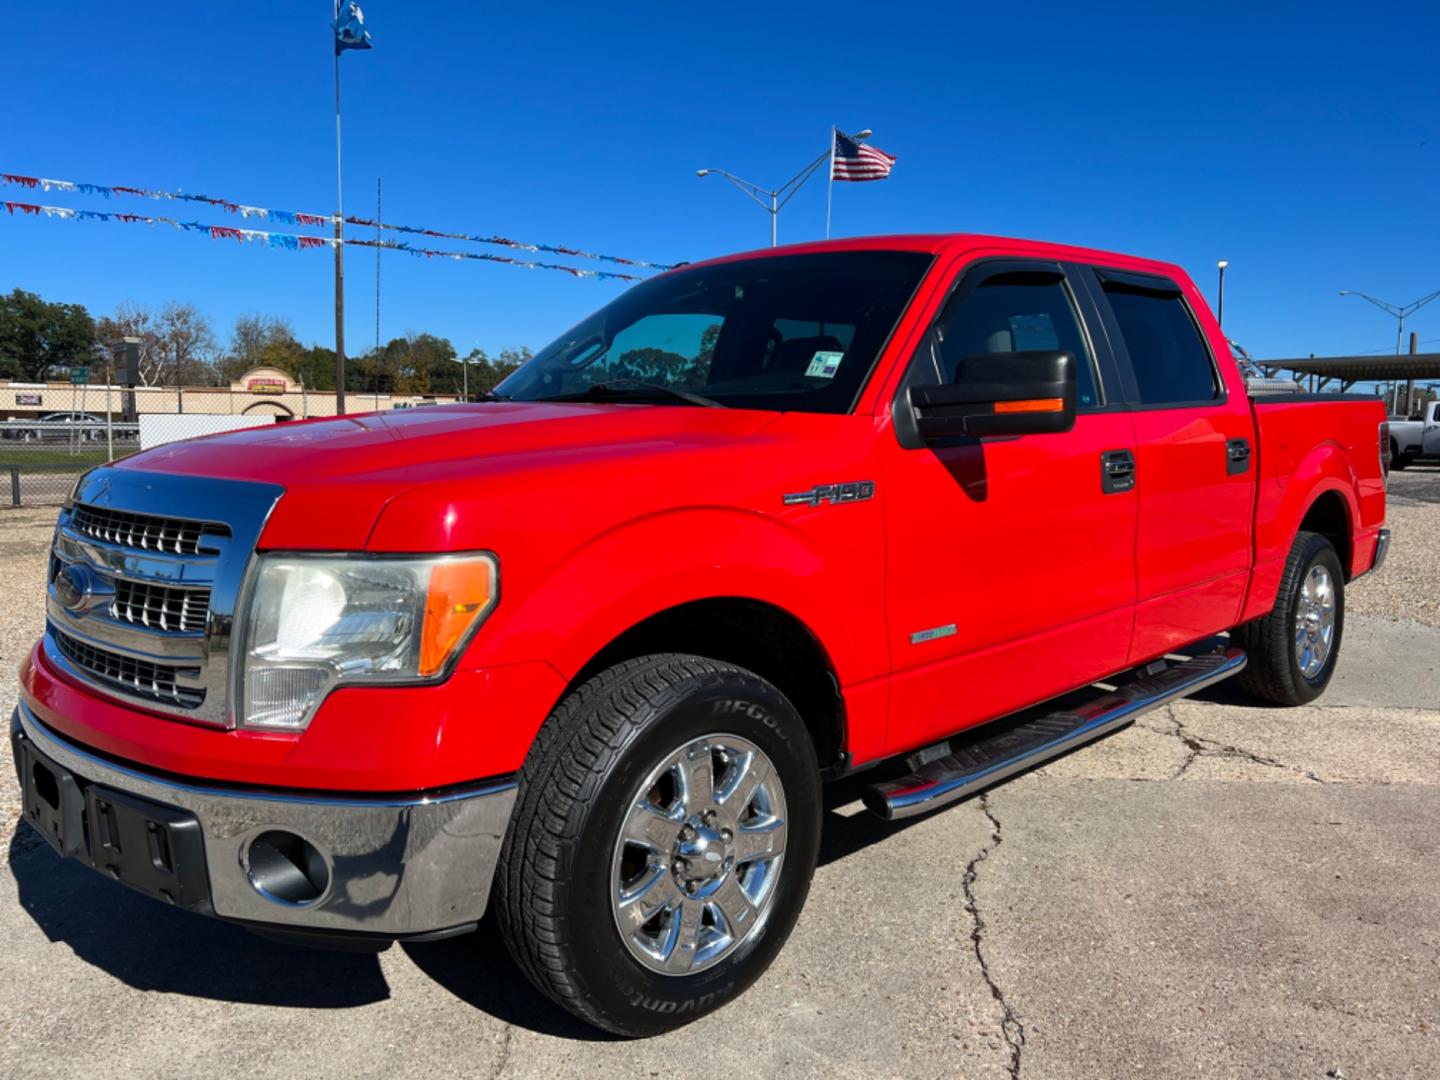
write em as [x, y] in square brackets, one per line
[485, 374]
[415, 364]
[315, 367]
[39, 338]
[650, 365]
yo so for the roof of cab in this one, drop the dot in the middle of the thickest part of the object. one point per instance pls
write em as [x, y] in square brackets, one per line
[942, 244]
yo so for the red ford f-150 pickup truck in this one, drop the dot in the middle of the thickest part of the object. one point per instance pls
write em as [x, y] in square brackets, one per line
[584, 652]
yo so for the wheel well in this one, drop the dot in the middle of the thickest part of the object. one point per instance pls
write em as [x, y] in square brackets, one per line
[751, 634]
[1329, 517]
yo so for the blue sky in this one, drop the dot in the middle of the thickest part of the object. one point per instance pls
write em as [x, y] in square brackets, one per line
[1300, 142]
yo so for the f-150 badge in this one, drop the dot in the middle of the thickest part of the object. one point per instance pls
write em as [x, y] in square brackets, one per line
[853, 491]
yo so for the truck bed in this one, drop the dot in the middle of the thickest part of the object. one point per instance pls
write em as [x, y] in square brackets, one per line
[1330, 438]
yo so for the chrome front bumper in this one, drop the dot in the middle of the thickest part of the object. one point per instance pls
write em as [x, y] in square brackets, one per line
[395, 866]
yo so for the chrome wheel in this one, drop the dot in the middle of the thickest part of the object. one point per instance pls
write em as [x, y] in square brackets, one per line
[1315, 622]
[698, 856]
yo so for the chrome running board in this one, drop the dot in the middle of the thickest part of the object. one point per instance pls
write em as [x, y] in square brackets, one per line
[996, 751]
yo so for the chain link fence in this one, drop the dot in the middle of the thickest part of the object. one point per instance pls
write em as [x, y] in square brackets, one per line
[40, 459]
[51, 433]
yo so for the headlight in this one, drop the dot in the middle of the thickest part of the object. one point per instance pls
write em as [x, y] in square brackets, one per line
[315, 622]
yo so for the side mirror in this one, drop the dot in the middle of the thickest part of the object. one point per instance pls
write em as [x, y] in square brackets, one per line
[1016, 393]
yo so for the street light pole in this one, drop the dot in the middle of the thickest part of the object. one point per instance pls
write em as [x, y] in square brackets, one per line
[773, 200]
[1400, 311]
[1221, 264]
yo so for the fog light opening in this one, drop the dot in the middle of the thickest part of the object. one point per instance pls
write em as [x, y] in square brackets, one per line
[286, 868]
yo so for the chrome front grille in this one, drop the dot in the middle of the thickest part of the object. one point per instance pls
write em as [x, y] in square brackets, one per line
[167, 608]
[145, 575]
[144, 532]
[143, 677]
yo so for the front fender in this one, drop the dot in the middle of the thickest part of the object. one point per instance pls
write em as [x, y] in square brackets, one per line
[648, 565]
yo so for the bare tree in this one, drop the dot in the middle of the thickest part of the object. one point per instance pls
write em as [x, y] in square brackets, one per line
[136, 320]
[189, 345]
[257, 339]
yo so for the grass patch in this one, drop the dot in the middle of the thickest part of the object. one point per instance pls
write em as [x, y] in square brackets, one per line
[54, 459]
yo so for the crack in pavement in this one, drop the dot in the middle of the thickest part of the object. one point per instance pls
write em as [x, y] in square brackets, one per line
[1199, 746]
[505, 1048]
[507, 1045]
[1011, 1029]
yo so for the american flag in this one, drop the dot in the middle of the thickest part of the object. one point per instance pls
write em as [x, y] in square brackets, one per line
[854, 160]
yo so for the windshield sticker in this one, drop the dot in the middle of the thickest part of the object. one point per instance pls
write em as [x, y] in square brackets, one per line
[824, 365]
[1032, 332]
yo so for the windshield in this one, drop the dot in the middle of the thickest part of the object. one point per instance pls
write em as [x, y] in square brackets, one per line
[789, 332]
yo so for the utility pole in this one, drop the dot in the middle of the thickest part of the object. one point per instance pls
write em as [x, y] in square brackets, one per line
[377, 269]
[109, 416]
[339, 248]
[1410, 383]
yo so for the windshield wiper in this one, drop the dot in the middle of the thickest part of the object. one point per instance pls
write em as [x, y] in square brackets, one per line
[617, 388]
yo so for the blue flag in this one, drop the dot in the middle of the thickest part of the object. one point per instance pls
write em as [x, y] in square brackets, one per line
[350, 32]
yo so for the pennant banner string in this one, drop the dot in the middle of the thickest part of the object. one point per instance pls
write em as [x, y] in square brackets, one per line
[295, 217]
[294, 242]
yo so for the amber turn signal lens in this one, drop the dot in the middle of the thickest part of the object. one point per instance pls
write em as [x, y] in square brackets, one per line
[460, 592]
[1044, 404]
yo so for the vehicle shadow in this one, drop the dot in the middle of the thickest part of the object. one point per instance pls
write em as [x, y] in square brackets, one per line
[846, 829]
[478, 969]
[149, 946]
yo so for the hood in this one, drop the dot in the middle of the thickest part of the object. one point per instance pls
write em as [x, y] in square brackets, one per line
[342, 470]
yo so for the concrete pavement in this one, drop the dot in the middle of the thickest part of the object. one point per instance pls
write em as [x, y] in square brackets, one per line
[1221, 889]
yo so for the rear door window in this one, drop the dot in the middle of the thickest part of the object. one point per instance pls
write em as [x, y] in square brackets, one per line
[1171, 363]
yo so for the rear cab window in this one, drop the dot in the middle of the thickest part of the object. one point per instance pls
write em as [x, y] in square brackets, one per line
[1169, 357]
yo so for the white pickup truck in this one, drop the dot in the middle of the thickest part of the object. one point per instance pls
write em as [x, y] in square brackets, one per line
[1411, 439]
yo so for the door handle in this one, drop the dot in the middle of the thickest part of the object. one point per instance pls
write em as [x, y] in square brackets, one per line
[1117, 471]
[1237, 456]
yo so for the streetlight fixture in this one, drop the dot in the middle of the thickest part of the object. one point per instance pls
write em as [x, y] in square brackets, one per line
[773, 200]
[1400, 311]
[1221, 264]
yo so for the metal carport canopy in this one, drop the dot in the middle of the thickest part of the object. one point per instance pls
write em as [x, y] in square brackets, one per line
[1353, 369]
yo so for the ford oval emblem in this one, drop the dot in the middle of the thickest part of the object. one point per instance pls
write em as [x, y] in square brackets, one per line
[72, 587]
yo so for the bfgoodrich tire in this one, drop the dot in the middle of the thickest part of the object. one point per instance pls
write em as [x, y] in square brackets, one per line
[663, 842]
[1292, 651]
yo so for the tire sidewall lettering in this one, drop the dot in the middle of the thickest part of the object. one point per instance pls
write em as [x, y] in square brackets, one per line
[753, 711]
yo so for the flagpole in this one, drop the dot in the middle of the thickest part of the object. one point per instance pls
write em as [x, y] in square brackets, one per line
[339, 246]
[830, 183]
[377, 289]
